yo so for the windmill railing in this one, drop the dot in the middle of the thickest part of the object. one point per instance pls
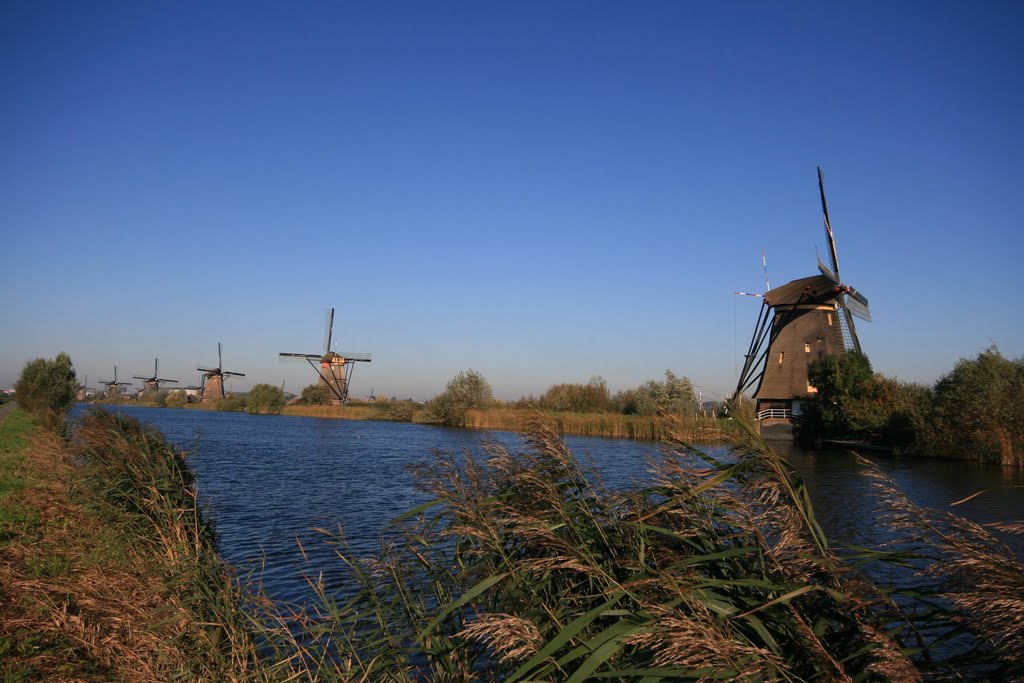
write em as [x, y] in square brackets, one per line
[777, 414]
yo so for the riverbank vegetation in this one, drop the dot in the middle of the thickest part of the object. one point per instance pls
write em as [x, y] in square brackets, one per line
[974, 412]
[522, 567]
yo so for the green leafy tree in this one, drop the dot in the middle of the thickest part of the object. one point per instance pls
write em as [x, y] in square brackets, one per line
[978, 411]
[47, 388]
[316, 395]
[840, 381]
[266, 398]
[674, 395]
[466, 390]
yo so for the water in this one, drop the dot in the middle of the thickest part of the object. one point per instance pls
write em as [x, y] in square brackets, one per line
[268, 480]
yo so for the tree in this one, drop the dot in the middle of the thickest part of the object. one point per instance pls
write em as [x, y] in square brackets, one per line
[316, 395]
[47, 388]
[466, 390]
[840, 381]
[266, 398]
[674, 395]
[978, 410]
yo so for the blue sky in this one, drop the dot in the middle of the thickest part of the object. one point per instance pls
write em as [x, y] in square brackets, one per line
[539, 191]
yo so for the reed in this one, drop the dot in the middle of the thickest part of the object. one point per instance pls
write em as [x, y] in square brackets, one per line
[524, 567]
[130, 476]
[613, 425]
[337, 412]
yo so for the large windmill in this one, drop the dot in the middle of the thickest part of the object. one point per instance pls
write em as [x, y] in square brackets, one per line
[113, 387]
[334, 369]
[153, 383]
[800, 322]
[213, 379]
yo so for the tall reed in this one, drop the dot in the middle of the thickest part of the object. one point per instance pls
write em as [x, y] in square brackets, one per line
[134, 478]
[525, 567]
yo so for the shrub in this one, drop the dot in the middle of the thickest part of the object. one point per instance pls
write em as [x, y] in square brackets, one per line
[176, 399]
[979, 410]
[674, 395]
[266, 398]
[392, 411]
[157, 398]
[47, 388]
[316, 395]
[591, 397]
[466, 390]
[232, 402]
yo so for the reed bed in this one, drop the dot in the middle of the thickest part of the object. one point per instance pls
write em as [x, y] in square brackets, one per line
[338, 412]
[612, 425]
[143, 486]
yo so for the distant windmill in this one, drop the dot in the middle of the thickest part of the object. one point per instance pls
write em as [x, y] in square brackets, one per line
[800, 322]
[84, 390]
[334, 369]
[113, 387]
[153, 383]
[213, 379]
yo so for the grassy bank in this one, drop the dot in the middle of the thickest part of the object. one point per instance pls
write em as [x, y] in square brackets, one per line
[108, 570]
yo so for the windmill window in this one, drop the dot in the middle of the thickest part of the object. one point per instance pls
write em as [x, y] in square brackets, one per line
[811, 389]
[782, 355]
[830, 320]
[807, 348]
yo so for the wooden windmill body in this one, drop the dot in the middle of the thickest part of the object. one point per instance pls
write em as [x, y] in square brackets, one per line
[800, 322]
[112, 387]
[153, 383]
[334, 369]
[213, 380]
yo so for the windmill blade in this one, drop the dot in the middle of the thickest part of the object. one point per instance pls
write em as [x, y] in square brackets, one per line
[220, 360]
[329, 331]
[209, 370]
[236, 374]
[827, 273]
[137, 377]
[749, 294]
[850, 326]
[857, 307]
[833, 258]
[361, 357]
[156, 365]
[298, 357]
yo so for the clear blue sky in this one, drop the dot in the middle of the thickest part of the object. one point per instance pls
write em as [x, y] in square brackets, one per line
[541, 191]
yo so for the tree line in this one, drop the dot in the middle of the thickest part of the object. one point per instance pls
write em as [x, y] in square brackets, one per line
[974, 412]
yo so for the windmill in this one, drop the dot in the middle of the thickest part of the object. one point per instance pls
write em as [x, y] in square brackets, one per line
[800, 322]
[334, 369]
[113, 387]
[84, 391]
[153, 383]
[213, 379]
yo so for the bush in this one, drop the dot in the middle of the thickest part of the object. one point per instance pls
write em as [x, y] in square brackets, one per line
[392, 411]
[466, 390]
[176, 399]
[232, 402]
[674, 395]
[316, 395]
[47, 388]
[591, 397]
[266, 398]
[978, 411]
[157, 398]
